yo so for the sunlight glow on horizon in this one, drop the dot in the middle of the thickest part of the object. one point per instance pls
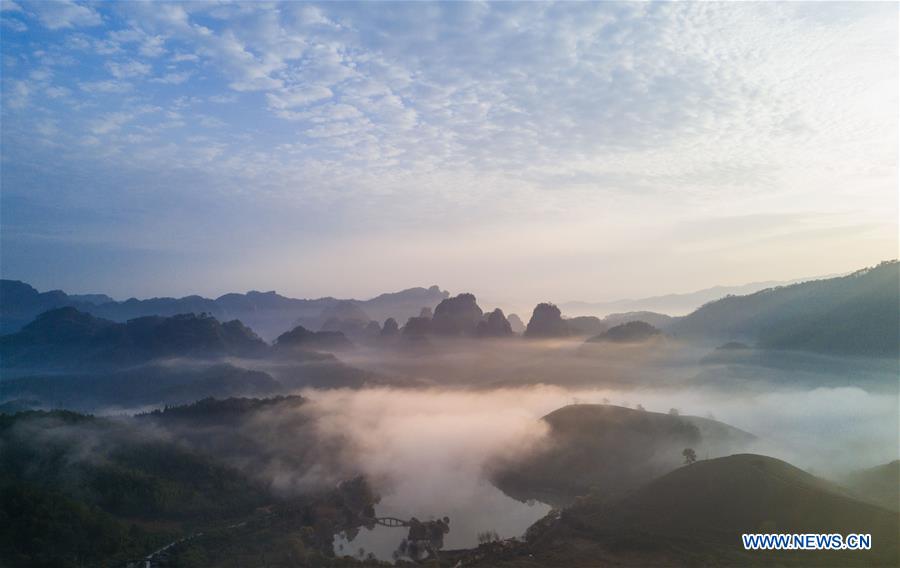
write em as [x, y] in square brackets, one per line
[522, 151]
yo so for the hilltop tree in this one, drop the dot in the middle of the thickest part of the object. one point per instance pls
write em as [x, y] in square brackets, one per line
[488, 536]
[690, 456]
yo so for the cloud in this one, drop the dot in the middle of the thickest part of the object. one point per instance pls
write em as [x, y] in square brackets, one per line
[126, 69]
[173, 78]
[18, 94]
[14, 25]
[148, 45]
[105, 86]
[297, 96]
[181, 57]
[222, 99]
[110, 122]
[57, 92]
[452, 118]
[61, 14]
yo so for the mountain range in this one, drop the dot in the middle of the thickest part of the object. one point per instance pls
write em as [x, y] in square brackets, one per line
[268, 313]
[857, 315]
[672, 304]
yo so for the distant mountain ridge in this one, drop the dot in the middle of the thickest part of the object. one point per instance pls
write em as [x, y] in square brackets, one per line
[267, 313]
[857, 314]
[673, 304]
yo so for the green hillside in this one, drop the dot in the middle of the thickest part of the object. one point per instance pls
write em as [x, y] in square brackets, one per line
[879, 485]
[695, 515]
[858, 314]
[605, 450]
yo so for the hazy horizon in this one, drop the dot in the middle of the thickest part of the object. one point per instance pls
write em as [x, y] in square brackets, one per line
[521, 151]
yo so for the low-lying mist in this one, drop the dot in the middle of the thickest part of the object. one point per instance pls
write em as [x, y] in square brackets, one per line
[433, 425]
[432, 452]
[440, 440]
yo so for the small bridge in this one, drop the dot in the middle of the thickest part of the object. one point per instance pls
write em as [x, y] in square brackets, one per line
[391, 522]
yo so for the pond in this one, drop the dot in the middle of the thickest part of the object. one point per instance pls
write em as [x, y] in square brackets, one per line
[484, 508]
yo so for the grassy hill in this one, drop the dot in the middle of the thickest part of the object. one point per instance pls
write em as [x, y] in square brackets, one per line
[879, 485]
[605, 450]
[695, 515]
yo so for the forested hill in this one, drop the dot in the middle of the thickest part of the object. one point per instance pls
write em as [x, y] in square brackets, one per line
[858, 314]
[67, 337]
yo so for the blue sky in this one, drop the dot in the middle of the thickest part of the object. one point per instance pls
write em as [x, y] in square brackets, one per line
[523, 151]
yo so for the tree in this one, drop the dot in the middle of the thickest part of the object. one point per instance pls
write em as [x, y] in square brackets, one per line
[488, 536]
[690, 456]
[673, 412]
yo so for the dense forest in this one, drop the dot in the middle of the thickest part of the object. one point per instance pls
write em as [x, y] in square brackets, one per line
[77, 490]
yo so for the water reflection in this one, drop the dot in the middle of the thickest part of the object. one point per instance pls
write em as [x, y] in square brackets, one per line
[487, 511]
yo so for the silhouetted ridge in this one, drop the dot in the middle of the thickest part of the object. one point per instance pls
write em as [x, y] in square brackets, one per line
[586, 325]
[345, 316]
[631, 332]
[66, 337]
[302, 338]
[269, 313]
[216, 409]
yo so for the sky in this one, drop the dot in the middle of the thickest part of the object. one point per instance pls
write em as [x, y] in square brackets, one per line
[521, 151]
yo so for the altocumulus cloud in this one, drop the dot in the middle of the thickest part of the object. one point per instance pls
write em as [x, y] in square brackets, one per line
[476, 114]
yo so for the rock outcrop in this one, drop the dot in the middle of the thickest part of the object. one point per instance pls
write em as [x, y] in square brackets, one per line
[494, 325]
[456, 316]
[546, 321]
